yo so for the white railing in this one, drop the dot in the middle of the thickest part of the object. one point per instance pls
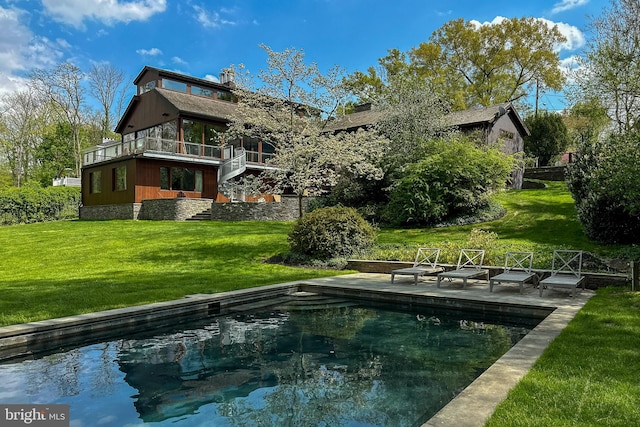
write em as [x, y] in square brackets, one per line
[106, 152]
[169, 146]
[233, 167]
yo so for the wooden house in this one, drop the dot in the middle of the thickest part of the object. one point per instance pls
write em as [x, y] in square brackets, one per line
[497, 124]
[172, 145]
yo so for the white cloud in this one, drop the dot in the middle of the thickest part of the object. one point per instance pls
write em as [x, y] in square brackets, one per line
[575, 37]
[212, 78]
[154, 51]
[178, 60]
[565, 5]
[74, 12]
[21, 50]
[211, 19]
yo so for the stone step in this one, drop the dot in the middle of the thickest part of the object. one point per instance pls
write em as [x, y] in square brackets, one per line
[202, 216]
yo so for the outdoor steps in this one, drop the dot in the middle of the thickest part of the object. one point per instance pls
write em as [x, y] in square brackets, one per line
[202, 216]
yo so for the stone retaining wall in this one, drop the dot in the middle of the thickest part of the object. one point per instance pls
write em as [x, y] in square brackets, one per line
[548, 173]
[285, 210]
[120, 211]
[178, 209]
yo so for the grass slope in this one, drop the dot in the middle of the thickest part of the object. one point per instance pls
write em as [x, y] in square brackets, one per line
[70, 267]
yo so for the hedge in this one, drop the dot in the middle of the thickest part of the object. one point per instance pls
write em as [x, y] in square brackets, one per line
[36, 204]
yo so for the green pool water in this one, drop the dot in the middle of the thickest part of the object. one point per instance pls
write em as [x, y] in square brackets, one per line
[325, 364]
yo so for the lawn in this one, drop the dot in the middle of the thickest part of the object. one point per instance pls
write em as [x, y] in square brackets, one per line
[69, 267]
[587, 377]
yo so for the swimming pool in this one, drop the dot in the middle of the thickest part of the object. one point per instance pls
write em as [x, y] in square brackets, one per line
[322, 362]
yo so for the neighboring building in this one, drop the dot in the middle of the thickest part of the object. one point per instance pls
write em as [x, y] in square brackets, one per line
[172, 145]
[496, 124]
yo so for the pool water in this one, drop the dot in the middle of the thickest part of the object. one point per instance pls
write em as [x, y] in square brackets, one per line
[330, 364]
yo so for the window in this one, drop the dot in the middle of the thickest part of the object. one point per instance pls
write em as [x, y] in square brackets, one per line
[192, 131]
[181, 179]
[164, 178]
[169, 131]
[200, 91]
[146, 87]
[505, 134]
[226, 96]
[174, 85]
[120, 178]
[214, 134]
[95, 180]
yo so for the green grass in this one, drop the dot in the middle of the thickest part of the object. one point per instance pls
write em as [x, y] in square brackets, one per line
[536, 220]
[70, 267]
[588, 376]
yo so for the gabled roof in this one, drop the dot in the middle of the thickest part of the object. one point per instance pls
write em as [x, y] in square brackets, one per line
[179, 77]
[198, 105]
[486, 115]
[183, 104]
[466, 118]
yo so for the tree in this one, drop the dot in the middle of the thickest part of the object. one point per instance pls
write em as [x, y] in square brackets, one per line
[106, 84]
[62, 87]
[290, 109]
[476, 65]
[586, 121]
[549, 136]
[610, 70]
[24, 116]
[55, 153]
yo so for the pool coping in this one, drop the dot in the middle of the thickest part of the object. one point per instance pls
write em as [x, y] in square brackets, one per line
[471, 408]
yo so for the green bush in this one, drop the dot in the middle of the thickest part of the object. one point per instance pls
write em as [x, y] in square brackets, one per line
[331, 232]
[33, 203]
[605, 185]
[456, 180]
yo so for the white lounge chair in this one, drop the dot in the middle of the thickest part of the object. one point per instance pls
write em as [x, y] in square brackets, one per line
[566, 271]
[517, 269]
[469, 266]
[425, 263]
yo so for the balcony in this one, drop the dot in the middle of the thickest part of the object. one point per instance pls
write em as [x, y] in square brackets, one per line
[177, 149]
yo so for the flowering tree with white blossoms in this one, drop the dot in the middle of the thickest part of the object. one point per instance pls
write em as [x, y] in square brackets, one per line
[290, 108]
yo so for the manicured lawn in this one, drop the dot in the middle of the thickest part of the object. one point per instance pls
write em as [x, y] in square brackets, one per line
[62, 268]
[589, 375]
[536, 220]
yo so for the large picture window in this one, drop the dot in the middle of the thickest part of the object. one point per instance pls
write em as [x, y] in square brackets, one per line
[181, 179]
[120, 178]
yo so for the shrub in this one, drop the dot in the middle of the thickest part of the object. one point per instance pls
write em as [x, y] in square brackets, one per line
[456, 180]
[605, 186]
[331, 232]
[33, 203]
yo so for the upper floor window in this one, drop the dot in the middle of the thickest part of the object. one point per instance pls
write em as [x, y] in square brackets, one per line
[174, 85]
[505, 134]
[201, 91]
[146, 87]
[226, 96]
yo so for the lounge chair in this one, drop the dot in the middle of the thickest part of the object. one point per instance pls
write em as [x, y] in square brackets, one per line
[425, 263]
[469, 266]
[517, 269]
[566, 271]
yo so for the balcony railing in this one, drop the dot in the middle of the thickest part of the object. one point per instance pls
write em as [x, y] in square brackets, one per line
[167, 146]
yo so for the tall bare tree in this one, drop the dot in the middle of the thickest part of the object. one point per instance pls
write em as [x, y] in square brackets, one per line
[610, 71]
[107, 87]
[63, 87]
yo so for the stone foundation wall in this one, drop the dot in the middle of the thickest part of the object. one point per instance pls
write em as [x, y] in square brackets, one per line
[120, 211]
[178, 209]
[285, 210]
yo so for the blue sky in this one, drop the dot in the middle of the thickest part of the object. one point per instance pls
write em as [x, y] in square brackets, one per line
[200, 37]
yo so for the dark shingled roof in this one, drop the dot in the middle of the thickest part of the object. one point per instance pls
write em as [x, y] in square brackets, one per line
[465, 118]
[198, 105]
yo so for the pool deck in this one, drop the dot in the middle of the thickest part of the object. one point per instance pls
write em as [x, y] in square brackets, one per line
[475, 404]
[471, 408]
